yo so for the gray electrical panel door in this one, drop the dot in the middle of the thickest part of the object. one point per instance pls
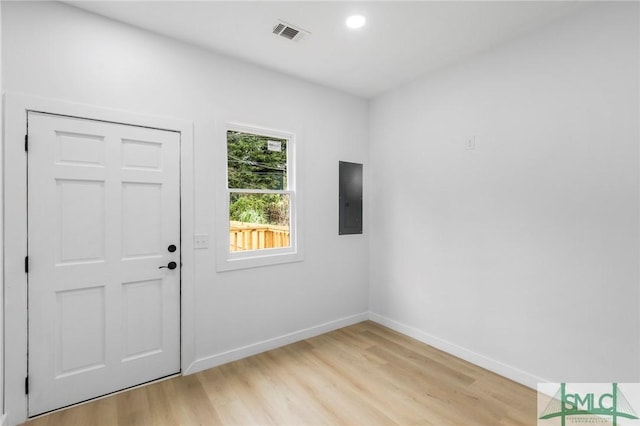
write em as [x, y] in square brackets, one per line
[350, 198]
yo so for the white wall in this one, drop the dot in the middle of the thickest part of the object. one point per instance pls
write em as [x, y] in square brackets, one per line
[56, 51]
[522, 254]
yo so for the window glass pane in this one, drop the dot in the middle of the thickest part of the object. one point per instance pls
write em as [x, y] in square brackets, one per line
[256, 162]
[258, 221]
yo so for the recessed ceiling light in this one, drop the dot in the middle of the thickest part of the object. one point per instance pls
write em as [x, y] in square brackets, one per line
[355, 21]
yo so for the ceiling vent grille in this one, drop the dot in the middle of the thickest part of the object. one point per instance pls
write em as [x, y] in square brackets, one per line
[290, 32]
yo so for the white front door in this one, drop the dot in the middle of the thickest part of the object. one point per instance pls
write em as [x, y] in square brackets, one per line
[104, 218]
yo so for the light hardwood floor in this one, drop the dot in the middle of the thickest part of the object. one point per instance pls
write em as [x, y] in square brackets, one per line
[364, 374]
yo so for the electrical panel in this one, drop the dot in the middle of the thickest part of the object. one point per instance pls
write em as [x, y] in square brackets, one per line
[350, 198]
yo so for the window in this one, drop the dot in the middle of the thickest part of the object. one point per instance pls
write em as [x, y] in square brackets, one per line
[261, 200]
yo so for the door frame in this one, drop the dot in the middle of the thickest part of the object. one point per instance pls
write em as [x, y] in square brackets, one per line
[16, 107]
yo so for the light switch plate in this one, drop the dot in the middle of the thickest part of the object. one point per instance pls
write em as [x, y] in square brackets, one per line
[201, 241]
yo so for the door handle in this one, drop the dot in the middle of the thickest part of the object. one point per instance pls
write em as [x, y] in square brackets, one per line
[170, 265]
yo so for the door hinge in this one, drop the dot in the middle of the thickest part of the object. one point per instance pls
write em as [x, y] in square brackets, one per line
[26, 264]
[26, 385]
[26, 143]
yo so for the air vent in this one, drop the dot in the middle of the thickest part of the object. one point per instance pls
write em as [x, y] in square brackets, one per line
[289, 31]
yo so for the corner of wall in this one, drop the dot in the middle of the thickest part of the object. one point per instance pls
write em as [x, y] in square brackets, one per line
[4, 417]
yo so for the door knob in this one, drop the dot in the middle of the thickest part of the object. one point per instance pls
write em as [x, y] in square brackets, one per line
[171, 248]
[170, 265]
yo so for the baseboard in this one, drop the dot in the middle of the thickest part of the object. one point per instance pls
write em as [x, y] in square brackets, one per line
[266, 345]
[3, 420]
[483, 361]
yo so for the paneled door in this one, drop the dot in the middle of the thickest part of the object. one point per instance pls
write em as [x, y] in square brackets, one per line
[104, 258]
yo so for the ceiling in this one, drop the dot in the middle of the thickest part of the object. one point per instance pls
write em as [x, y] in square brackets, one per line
[400, 41]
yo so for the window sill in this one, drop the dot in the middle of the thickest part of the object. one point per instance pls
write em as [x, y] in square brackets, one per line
[257, 259]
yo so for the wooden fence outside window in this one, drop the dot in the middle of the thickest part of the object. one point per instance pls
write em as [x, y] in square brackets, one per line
[256, 236]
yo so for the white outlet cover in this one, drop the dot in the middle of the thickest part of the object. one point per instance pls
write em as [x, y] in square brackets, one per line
[470, 142]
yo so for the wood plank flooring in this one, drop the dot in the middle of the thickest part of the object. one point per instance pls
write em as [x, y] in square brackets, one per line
[364, 374]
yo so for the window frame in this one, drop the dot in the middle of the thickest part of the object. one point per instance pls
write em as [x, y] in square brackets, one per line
[228, 260]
